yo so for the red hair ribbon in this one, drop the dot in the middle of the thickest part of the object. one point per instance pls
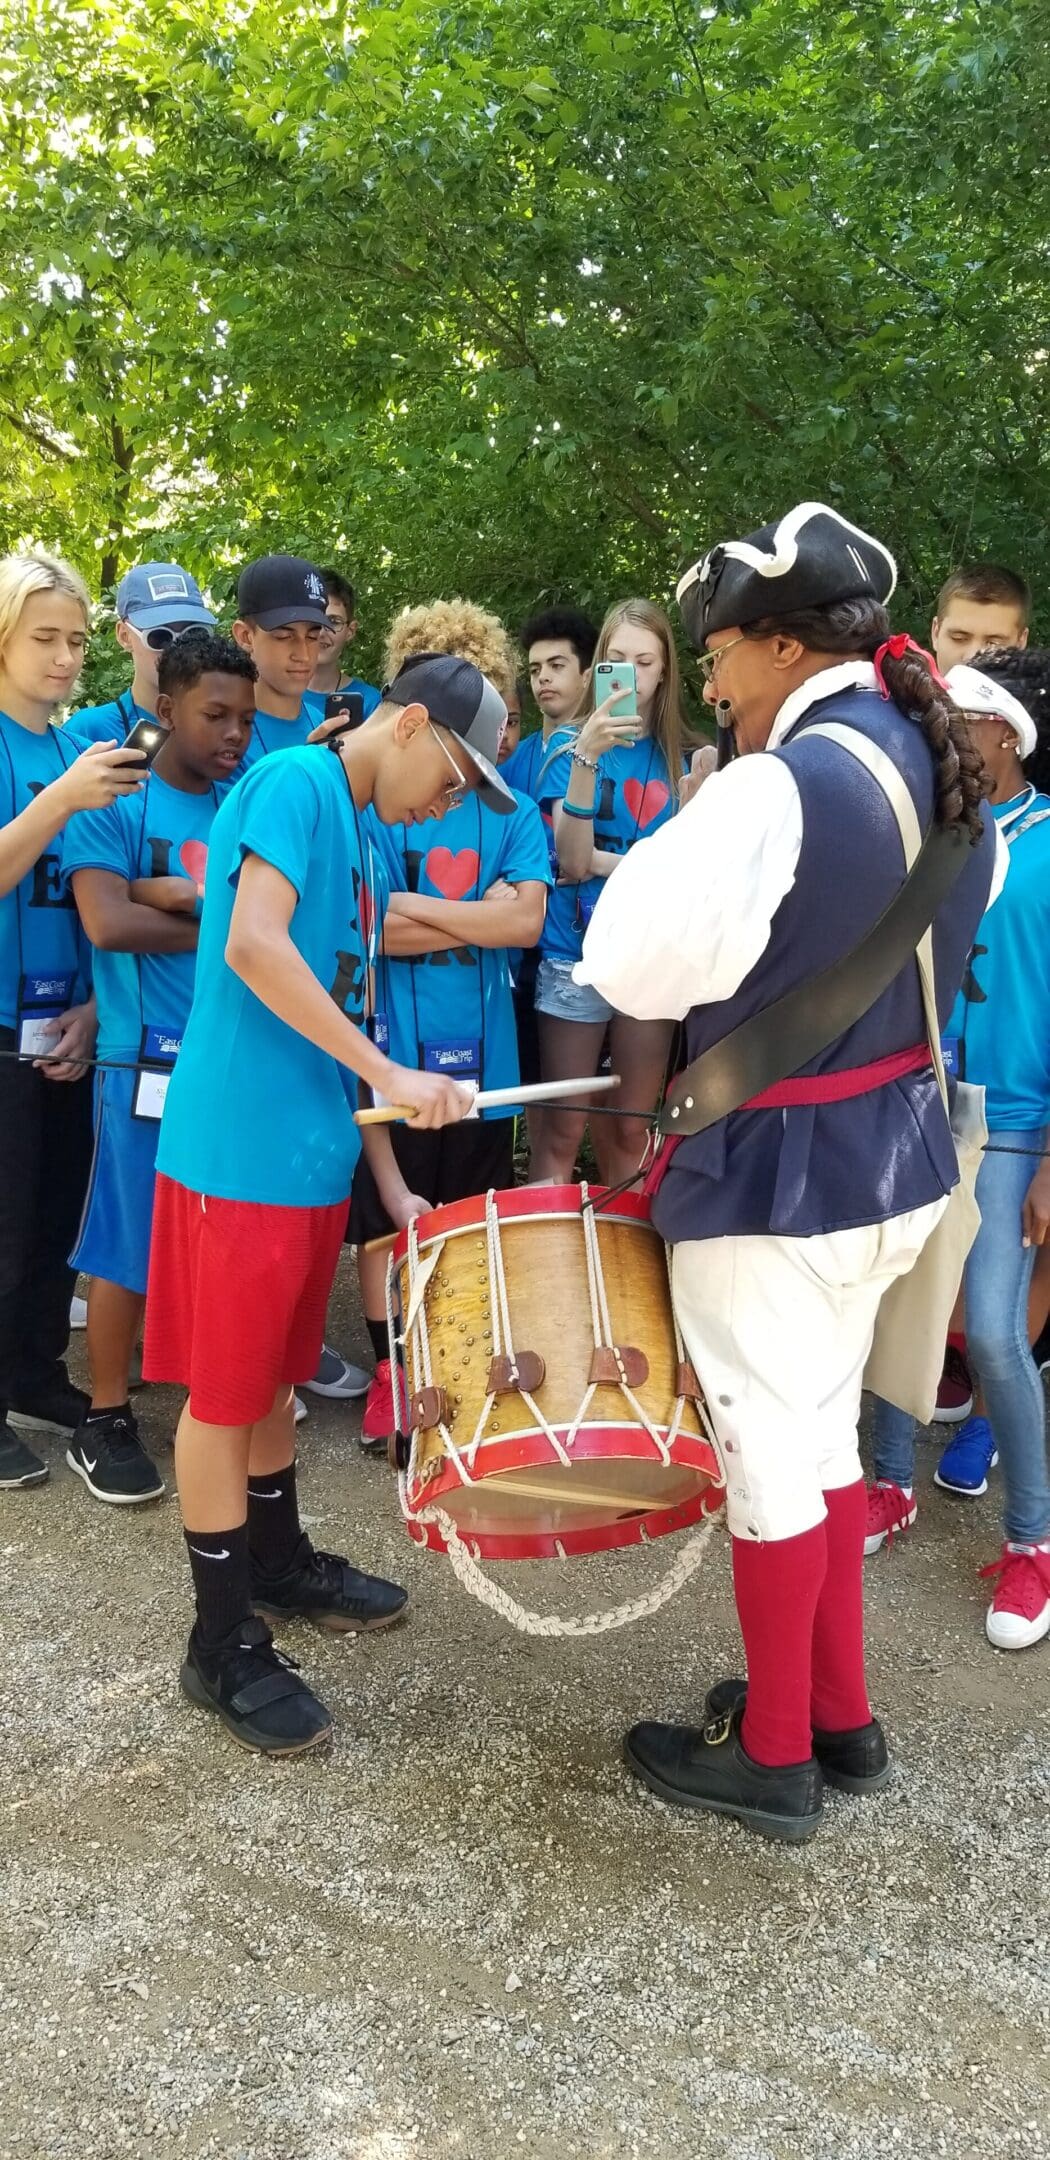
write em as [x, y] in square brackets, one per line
[896, 647]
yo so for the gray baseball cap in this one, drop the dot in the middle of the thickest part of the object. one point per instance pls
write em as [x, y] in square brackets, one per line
[459, 697]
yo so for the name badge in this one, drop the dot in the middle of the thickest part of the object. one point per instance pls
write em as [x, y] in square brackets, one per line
[379, 1030]
[951, 1052]
[457, 1060]
[158, 1050]
[584, 910]
[41, 999]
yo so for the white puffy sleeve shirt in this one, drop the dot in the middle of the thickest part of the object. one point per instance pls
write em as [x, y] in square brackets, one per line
[687, 914]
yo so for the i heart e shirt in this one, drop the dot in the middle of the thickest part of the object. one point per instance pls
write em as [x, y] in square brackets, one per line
[460, 996]
[633, 798]
[161, 832]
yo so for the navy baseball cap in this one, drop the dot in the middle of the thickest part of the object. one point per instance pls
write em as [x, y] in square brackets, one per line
[460, 698]
[160, 593]
[281, 589]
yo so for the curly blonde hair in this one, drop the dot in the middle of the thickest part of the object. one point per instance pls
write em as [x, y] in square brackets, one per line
[455, 626]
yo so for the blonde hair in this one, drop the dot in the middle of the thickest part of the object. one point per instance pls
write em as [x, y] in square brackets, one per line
[668, 725]
[23, 575]
[454, 626]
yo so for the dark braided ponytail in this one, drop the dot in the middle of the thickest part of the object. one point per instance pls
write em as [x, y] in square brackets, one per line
[854, 629]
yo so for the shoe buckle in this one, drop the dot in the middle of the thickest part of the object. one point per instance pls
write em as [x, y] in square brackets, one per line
[718, 1729]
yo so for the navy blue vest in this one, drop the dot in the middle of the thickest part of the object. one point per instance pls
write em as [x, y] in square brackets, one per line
[832, 1166]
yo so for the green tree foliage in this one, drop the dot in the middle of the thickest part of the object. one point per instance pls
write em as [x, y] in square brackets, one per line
[521, 298]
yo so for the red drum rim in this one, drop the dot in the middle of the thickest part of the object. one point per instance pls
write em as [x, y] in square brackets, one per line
[530, 1449]
[638, 1529]
[518, 1205]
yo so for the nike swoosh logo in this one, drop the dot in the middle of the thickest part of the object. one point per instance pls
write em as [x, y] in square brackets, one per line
[223, 1555]
[264, 1495]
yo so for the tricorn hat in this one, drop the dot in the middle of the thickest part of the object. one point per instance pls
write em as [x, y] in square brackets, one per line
[811, 558]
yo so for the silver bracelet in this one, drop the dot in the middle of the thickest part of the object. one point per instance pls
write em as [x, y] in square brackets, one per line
[576, 757]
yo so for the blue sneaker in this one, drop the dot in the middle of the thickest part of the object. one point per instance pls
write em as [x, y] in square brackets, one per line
[966, 1461]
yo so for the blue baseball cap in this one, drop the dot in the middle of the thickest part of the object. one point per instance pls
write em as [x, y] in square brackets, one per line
[157, 593]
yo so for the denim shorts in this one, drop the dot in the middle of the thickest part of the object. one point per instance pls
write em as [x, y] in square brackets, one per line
[563, 999]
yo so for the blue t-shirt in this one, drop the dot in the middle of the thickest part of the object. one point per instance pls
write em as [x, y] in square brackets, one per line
[111, 722]
[633, 798]
[1001, 1016]
[40, 931]
[254, 1111]
[161, 832]
[453, 1011]
[370, 697]
[270, 734]
[521, 771]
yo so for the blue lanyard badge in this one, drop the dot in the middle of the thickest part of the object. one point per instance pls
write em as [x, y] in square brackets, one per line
[378, 1026]
[41, 999]
[951, 1052]
[460, 1060]
[158, 1049]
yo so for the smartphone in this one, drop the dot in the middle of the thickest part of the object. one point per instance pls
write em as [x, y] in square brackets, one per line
[610, 675]
[347, 706]
[147, 736]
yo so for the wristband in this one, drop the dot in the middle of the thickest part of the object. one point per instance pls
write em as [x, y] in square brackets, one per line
[569, 809]
[576, 757]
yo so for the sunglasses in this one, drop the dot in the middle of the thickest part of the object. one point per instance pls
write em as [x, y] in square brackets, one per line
[165, 634]
[453, 795]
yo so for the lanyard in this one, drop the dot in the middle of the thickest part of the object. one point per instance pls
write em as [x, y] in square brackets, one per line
[365, 856]
[142, 870]
[65, 764]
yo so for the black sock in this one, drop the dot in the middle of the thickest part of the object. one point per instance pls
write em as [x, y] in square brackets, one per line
[221, 1580]
[274, 1529]
[92, 1416]
[379, 1339]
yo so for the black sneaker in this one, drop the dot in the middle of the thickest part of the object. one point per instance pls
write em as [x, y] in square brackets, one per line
[321, 1587]
[708, 1767]
[1041, 1350]
[59, 1410]
[108, 1454]
[256, 1691]
[18, 1464]
[857, 1761]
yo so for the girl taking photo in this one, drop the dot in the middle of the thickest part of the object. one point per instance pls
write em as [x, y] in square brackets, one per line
[47, 1019]
[613, 782]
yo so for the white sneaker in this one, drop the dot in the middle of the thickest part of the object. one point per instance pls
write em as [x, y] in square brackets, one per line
[1019, 1614]
[301, 1410]
[77, 1313]
[335, 1377]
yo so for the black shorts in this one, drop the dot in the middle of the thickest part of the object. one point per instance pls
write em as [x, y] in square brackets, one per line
[453, 1163]
[525, 1017]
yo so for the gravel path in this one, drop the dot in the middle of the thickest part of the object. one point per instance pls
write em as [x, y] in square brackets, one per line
[467, 1932]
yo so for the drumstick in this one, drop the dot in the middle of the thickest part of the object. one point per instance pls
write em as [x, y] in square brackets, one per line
[501, 1098]
[381, 1244]
[629, 1503]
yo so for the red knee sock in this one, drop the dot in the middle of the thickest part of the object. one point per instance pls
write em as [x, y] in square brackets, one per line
[777, 1587]
[840, 1695]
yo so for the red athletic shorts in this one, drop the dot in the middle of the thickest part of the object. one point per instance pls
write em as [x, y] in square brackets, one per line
[237, 1297]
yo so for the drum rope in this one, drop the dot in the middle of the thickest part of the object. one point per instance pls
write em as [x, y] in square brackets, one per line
[473, 1579]
[601, 1321]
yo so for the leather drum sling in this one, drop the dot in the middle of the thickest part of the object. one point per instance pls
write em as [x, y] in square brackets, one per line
[774, 1044]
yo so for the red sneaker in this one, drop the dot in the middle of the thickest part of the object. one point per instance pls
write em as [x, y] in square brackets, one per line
[378, 1421]
[889, 1510]
[1019, 1614]
[955, 1393]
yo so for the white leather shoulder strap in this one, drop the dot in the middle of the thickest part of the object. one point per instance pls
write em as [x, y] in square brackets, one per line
[898, 795]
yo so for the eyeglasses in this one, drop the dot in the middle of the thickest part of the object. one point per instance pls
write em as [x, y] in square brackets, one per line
[707, 662]
[165, 634]
[335, 623]
[453, 795]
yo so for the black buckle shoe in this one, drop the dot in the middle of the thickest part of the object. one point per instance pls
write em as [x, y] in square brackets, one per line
[708, 1767]
[18, 1464]
[59, 1409]
[857, 1761]
[256, 1691]
[110, 1457]
[325, 1589]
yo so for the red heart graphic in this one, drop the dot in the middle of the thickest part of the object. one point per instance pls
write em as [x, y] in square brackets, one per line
[645, 803]
[452, 874]
[193, 855]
